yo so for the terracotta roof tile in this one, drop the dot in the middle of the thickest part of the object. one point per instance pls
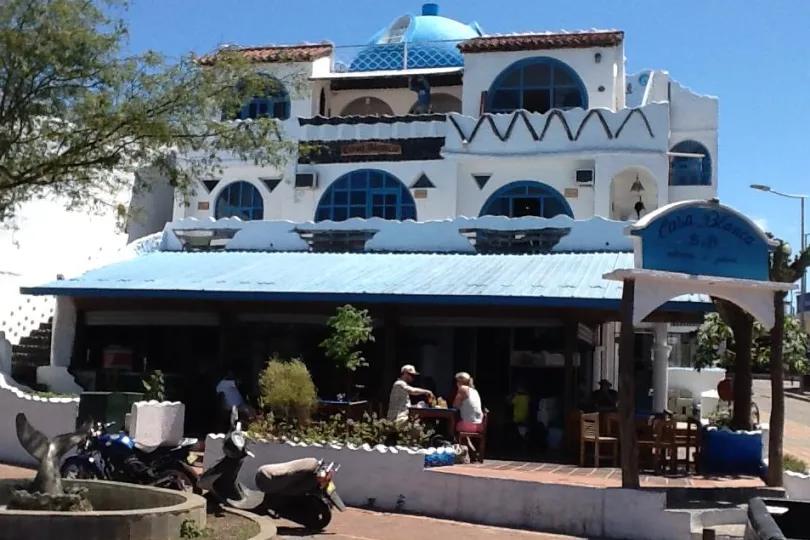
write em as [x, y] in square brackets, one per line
[529, 42]
[279, 53]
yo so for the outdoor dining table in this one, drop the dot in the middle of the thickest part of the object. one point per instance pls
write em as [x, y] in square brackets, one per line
[349, 409]
[437, 413]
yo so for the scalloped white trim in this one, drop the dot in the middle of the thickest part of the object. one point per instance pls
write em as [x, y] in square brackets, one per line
[798, 475]
[155, 403]
[335, 445]
[33, 397]
[739, 432]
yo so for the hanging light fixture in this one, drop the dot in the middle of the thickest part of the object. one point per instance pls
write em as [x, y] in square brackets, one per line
[638, 188]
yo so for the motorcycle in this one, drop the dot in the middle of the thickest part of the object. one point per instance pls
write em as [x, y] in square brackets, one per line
[118, 457]
[301, 491]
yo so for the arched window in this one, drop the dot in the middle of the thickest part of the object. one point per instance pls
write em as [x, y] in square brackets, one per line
[240, 199]
[364, 194]
[367, 106]
[520, 199]
[690, 171]
[537, 85]
[274, 103]
[442, 104]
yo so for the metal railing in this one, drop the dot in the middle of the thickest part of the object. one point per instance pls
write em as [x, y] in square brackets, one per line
[397, 56]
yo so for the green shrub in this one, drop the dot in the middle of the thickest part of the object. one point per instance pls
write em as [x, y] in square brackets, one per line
[794, 464]
[154, 386]
[287, 391]
[370, 430]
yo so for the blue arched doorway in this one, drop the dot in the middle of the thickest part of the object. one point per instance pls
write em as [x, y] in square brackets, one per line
[526, 198]
[366, 193]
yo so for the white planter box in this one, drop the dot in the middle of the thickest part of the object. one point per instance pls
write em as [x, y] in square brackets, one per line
[797, 486]
[154, 423]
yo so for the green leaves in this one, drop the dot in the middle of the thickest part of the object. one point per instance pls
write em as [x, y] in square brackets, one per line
[78, 115]
[351, 329]
[154, 386]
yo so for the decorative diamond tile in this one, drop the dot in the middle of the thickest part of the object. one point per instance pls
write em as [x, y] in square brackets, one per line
[210, 185]
[423, 182]
[271, 183]
[481, 179]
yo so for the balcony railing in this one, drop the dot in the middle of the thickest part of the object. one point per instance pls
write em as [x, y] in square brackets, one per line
[397, 56]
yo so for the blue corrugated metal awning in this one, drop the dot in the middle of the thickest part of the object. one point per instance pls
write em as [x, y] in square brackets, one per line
[561, 279]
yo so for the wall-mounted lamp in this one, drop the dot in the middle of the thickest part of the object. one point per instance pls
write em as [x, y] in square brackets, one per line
[638, 188]
[597, 57]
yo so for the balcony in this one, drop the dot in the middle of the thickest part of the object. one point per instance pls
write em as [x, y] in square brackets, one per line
[370, 128]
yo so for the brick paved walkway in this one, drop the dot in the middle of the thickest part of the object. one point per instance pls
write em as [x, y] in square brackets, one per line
[602, 477]
[364, 525]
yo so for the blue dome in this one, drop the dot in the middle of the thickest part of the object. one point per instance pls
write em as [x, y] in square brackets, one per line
[427, 40]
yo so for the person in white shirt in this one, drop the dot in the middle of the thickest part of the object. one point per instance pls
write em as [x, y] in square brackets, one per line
[401, 394]
[468, 404]
[228, 392]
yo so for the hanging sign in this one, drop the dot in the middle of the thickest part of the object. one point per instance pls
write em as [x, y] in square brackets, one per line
[370, 148]
[703, 238]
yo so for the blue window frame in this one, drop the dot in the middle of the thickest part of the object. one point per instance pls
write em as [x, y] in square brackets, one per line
[537, 85]
[690, 171]
[520, 199]
[275, 103]
[240, 199]
[366, 193]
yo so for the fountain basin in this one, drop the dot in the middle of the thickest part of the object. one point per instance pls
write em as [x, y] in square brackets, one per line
[120, 512]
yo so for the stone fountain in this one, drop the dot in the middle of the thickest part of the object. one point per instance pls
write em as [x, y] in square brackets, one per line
[86, 509]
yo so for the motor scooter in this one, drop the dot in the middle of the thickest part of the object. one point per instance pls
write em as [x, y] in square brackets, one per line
[301, 491]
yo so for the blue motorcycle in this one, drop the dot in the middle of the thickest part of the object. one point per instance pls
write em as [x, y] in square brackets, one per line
[118, 457]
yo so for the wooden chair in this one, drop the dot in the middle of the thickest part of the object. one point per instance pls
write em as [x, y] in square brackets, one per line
[690, 440]
[467, 438]
[660, 441]
[589, 433]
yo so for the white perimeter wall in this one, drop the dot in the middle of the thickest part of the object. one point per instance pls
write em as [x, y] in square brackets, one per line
[398, 481]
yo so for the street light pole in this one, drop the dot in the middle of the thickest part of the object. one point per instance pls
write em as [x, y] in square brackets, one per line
[803, 233]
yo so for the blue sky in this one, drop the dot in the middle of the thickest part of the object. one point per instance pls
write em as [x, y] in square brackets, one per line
[751, 54]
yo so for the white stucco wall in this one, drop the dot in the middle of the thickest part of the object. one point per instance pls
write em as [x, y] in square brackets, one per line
[797, 486]
[51, 416]
[696, 382]
[481, 70]
[397, 480]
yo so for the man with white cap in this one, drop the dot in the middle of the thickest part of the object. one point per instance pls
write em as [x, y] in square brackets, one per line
[401, 394]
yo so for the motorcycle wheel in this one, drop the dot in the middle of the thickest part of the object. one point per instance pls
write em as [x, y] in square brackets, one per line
[179, 480]
[78, 470]
[311, 512]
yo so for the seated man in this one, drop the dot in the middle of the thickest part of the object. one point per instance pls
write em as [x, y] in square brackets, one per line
[401, 394]
[605, 399]
[230, 396]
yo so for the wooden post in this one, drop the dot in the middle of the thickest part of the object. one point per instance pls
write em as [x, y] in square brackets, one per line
[627, 389]
[571, 328]
[390, 348]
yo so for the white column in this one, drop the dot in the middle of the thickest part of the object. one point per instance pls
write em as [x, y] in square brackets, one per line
[660, 366]
[63, 331]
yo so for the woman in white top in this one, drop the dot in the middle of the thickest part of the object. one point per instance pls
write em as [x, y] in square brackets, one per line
[468, 404]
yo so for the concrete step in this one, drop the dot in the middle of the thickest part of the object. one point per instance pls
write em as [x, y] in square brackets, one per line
[38, 341]
[35, 358]
[40, 333]
[723, 532]
[688, 497]
[29, 349]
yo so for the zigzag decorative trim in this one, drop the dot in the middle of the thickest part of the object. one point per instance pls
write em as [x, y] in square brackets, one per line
[381, 448]
[487, 117]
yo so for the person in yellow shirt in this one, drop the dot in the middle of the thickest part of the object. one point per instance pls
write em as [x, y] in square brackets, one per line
[521, 404]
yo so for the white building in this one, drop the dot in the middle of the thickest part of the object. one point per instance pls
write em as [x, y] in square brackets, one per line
[526, 124]
[544, 125]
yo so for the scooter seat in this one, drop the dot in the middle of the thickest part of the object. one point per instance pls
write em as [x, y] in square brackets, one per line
[291, 477]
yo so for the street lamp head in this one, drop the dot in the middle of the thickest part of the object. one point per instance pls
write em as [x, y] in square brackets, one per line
[760, 187]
